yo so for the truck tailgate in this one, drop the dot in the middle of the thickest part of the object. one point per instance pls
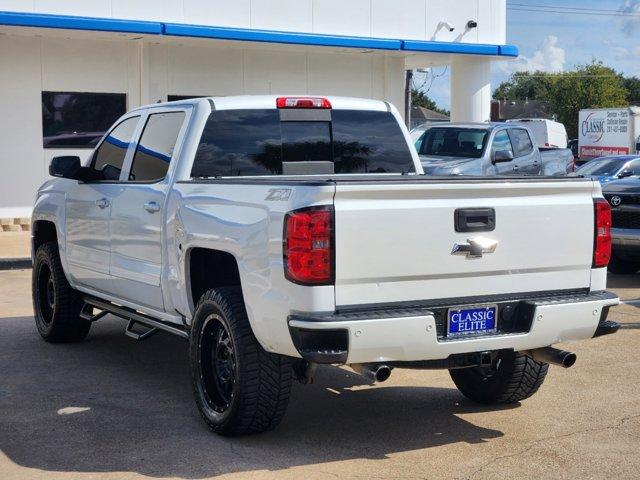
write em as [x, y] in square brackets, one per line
[394, 240]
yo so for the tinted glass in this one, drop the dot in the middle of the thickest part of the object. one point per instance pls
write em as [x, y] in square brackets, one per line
[109, 157]
[239, 142]
[79, 120]
[256, 142]
[501, 142]
[155, 148]
[454, 142]
[306, 141]
[520, 141]
[365, 141]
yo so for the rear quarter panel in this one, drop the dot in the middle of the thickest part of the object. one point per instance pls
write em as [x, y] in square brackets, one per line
[244, 220]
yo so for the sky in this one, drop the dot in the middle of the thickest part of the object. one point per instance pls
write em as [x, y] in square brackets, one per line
[555, 42]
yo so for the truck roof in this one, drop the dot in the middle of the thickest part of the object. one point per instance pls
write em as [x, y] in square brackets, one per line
[482, 125]
[236, 102]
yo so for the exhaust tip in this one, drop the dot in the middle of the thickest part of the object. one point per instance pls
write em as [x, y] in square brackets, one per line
[569, 360]
[383, 373]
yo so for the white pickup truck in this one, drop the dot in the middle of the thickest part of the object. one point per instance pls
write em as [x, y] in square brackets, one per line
[279, 233]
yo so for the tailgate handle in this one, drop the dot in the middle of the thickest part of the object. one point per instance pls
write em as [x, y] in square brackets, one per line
[475, 219]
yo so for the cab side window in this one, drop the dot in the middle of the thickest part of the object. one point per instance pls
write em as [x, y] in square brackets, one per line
[109, 157]
[501, 142]
[155, 148]
[521, 142]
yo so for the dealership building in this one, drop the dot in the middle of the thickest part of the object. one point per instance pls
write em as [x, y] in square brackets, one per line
[69, 68]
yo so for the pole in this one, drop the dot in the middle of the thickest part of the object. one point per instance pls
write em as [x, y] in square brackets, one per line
[407, 98]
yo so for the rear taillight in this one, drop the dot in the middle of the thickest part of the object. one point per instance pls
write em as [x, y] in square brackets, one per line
[302, 102]
[602, 241]
[308, 246]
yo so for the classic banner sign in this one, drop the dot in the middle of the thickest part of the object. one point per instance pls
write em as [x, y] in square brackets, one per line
[603, 132]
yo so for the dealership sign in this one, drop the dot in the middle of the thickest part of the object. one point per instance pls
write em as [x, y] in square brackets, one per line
[603, 132]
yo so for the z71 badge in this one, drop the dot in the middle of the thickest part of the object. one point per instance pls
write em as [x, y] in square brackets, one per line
[278, 195]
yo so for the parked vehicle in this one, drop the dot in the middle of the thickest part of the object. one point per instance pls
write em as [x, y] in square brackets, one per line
[573, 146]
[546, 133]
[608, 131]
[607, 169]
[624, 197]
[417, 134]
[279, 233]
[488, 149]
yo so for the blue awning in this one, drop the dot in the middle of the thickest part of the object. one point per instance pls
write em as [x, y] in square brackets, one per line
[69, 22]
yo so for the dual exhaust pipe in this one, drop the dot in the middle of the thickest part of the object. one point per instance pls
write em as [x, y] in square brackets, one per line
[554, 356]
[379, 372]
[376, 372]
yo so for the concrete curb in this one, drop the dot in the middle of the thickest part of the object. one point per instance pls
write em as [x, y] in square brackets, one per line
[15, 263]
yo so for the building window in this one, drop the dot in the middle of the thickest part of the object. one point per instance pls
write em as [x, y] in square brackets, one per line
[79, 120]
[177, 98]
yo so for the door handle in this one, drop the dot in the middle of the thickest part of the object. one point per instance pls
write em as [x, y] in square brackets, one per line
[102, 203]
[515, 168]
[151, 207]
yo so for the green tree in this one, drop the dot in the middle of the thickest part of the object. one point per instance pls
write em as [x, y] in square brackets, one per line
[524, 85]
[587, 86]
[421, 99]
[632, 84]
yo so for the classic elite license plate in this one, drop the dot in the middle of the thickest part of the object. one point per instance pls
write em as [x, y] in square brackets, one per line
[472, 320]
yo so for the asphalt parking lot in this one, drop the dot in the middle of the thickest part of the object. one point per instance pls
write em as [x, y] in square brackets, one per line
[115, 408]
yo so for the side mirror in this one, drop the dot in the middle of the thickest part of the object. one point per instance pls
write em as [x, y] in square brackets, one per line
[66, 167]
[625, 173]
[502, 156]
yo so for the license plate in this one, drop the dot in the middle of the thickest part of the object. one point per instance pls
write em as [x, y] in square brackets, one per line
[473, 320]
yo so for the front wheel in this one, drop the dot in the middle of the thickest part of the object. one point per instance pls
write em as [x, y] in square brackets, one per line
[56, 305]
[516, 376]
[239, 387]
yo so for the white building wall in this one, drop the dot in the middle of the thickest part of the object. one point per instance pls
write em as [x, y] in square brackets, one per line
[149, 72]
[30, 65]
[402, 19]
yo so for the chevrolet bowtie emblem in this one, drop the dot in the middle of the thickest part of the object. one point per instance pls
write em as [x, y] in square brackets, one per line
[475, 247]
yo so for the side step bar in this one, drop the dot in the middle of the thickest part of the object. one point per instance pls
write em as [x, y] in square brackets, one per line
[133, 317]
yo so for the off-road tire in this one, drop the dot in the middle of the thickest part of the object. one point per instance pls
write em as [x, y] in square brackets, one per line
[517, 377]
[261, 380]
[56, 305]
[622, 267]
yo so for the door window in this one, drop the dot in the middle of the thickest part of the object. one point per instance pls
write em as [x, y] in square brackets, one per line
[155, 148]
[501, 142]
[521, 142]
[634, 167]
[109, 157]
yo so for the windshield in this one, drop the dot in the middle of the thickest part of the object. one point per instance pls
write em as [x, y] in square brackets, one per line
[454, 142]
[605, 166]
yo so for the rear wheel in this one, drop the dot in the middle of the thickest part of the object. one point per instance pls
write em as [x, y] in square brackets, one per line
[621, 266]
[56, 305]
[517, 376]
[239, 387]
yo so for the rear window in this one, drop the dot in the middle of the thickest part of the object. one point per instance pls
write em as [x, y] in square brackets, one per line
[257, 142]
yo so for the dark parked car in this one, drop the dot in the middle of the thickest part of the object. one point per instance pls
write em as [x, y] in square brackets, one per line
[624, 198]
[608, 169]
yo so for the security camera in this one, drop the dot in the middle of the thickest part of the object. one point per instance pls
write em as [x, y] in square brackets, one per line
[447, 25]
[471, 24]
